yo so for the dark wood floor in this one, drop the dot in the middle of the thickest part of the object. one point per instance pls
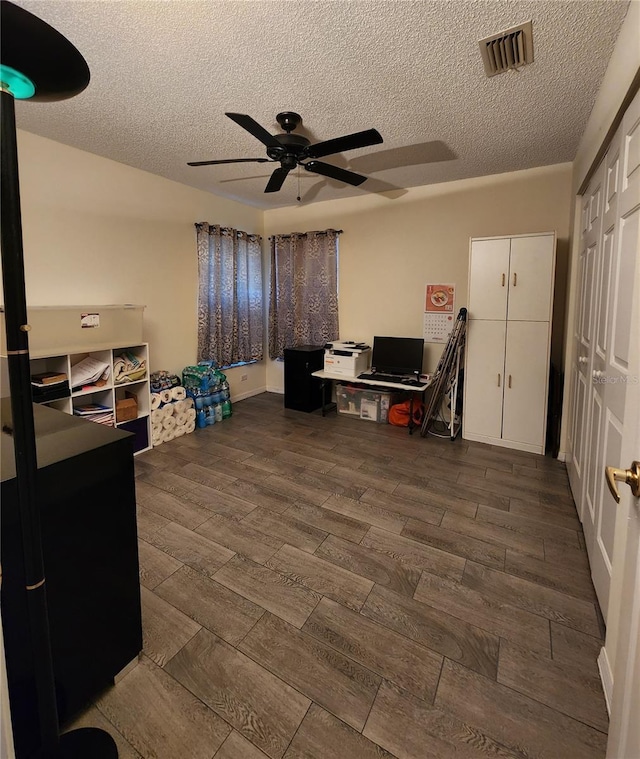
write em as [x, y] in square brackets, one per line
[330, 588]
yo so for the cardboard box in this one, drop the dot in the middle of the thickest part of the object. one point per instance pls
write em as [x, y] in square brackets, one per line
[372, 405]
[336, 362]
[127, 408]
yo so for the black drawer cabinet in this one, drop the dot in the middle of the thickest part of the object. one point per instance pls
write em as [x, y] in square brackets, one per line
[302, 392]
[86, 496]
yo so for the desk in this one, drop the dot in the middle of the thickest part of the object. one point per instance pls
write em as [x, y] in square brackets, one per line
[326, 378]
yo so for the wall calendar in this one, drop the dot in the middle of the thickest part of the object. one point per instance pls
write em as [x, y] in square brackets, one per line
[439, 312]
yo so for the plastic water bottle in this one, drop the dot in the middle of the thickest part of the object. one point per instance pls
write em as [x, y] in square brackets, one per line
[226, 409]
[211, 417]
[225, 391]
[218, 412]
[201, 418]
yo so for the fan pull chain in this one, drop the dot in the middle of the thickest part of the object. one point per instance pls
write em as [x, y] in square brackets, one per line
[298, 198]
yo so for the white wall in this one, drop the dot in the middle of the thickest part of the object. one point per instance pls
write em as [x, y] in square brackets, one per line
[391, 248]
[96, 231]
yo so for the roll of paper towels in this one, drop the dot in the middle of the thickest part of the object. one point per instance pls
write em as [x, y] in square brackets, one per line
[157, 415]
[178, 393]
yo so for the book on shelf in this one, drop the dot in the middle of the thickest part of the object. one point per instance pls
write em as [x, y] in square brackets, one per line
[42, 379]
[91, 409]
[87, 371]
[45, 393]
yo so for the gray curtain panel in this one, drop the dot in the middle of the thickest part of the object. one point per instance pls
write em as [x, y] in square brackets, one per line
[230, 315]
[303, 308]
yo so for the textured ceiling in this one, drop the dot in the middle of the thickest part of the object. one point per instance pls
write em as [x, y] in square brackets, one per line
[163, 73]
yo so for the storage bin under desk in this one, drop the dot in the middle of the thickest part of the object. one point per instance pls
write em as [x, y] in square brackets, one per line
[364, 403]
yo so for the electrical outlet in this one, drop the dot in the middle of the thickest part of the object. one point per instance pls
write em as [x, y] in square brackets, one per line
[244, 378]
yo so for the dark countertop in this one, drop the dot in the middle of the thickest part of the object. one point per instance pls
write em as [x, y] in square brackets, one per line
[59, 436]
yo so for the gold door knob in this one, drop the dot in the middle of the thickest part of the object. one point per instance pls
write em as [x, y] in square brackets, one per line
[630, 476]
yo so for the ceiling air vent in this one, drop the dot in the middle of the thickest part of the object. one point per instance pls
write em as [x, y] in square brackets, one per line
[507, 50]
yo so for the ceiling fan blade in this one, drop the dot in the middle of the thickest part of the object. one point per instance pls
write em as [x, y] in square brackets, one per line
[229, 160]
[335, 172]
[252, 126]
[348, 142]
[276, 180]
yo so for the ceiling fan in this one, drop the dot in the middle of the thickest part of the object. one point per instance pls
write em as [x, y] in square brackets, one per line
[291, 150]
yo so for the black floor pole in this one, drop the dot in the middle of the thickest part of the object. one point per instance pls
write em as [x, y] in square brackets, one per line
[84, 743]
[23, 427]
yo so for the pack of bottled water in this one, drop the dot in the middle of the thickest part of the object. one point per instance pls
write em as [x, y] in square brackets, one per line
[208, 387]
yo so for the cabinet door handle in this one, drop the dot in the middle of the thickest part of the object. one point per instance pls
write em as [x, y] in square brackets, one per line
[498, 380]
[503, 279]
[509, 382]
[515, 279]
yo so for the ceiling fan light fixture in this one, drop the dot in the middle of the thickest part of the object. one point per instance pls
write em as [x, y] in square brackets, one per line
[293, 150]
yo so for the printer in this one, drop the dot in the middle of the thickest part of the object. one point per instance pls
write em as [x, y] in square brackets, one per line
[347, 358]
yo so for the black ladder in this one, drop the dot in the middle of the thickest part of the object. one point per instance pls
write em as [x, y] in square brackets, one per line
[445, 381]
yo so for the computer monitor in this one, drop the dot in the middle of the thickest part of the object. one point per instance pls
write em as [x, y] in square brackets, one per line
[397, 355]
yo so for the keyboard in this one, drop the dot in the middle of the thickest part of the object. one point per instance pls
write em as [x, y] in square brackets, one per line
[398, 380]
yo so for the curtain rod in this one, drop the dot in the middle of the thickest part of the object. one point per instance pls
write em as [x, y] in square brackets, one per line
[304, 234]
[228, 230]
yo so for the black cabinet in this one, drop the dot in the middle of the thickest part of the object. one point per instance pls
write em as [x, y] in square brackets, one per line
[86, 496]
[302, 392]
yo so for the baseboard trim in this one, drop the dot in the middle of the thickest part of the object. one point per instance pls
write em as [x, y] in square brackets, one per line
[528, 447]
[279, 390]
[248, 394]
[562, 456]
[125, 670]
[606, 676]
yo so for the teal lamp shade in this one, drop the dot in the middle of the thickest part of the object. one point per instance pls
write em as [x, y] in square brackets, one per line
[19, 85]
[37, 62]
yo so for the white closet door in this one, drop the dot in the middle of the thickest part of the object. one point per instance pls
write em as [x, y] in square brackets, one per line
[489, 278]
[525, 393]
[484, 378]
[590, 262]
[531, 278]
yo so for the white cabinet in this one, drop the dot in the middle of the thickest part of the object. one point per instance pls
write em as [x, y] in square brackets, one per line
[526, 368]
[508, 341]
[483, 383]
[489, 277]
[512, 278]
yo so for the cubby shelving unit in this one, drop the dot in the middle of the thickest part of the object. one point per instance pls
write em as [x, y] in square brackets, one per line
[58, 341]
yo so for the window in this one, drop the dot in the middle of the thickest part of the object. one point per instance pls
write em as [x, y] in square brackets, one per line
[230, 316]
[303, 308]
